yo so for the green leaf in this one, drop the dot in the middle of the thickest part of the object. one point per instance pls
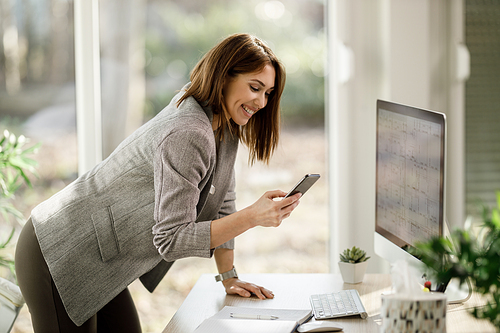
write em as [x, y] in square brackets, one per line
[20, 163]
[495, 218]
[4, 244]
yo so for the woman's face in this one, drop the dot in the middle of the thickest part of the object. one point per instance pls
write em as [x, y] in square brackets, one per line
[246, 94]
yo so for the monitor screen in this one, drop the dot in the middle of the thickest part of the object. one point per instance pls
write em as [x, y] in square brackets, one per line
[409, 173]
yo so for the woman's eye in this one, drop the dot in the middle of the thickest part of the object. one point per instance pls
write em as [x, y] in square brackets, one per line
[254, 89]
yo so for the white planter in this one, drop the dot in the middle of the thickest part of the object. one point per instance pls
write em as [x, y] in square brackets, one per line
[353, 273]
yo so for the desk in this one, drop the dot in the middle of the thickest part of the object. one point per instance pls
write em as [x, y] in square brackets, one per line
[291, 291]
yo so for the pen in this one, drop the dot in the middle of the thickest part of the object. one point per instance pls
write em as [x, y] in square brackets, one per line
[250, 316]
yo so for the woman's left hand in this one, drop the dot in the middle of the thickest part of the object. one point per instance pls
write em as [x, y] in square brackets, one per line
[235, 286]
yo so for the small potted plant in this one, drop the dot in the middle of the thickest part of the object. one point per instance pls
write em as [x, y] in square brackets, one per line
[469, 254]
[352, 264]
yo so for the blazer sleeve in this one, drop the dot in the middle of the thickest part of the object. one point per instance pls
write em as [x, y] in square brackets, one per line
[228, 207]
[182, 162]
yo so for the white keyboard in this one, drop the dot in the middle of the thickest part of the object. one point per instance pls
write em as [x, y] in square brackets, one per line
[338, 304]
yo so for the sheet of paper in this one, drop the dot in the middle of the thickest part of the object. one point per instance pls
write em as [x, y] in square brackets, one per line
[211, 325]
[282, 314]
[222, 322]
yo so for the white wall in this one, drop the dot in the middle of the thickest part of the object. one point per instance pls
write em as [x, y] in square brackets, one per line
[87, 81]
[403, 51]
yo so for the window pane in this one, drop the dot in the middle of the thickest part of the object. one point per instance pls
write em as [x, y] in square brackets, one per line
[37, 90]
[37, 100]
[482, 106]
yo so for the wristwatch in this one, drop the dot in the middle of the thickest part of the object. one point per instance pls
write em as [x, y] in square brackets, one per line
[226, 275]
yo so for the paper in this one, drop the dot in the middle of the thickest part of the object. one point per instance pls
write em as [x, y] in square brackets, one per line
[282, 314]
[222, 322]
[211, 325]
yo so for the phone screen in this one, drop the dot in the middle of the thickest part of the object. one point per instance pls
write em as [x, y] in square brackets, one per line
[304, 184]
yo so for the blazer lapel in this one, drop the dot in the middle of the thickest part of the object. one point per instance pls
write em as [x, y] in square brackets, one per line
[216, 189]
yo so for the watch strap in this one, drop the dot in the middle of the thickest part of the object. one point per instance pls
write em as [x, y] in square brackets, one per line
[226, 275]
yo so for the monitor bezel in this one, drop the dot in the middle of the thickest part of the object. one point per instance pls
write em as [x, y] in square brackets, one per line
[424, 114]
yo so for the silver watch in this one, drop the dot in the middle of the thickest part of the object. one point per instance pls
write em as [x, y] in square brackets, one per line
[226, 275]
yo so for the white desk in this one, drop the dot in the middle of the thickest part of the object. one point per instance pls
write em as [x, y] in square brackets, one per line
[292, 292]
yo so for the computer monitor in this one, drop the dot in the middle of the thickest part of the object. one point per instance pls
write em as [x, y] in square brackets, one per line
[410, 183]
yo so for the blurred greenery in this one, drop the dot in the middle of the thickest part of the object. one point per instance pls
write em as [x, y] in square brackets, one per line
[179, 32]
[15, 166]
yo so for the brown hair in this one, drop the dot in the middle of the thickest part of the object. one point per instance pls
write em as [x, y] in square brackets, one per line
[240, 54]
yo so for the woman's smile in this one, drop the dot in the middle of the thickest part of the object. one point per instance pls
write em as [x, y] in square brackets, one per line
[248, 110]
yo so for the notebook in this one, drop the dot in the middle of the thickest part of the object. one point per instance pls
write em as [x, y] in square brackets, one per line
[222, 322]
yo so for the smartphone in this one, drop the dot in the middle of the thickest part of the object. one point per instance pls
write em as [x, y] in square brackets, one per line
[304, 184]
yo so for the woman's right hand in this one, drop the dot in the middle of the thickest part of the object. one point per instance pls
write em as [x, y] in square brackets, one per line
[268, 211]
[271, 209]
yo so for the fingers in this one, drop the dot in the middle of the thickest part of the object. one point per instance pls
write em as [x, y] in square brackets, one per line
[267, 293]
[239, 291]
[261, 292]
[268, 212]
[246, 289]
[274, 194]
[286, 206]
[291, 200]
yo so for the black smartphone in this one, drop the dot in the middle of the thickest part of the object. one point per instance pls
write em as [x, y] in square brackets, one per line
[304, 184]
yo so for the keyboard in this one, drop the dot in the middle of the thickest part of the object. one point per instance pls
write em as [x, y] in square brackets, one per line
[338, 304]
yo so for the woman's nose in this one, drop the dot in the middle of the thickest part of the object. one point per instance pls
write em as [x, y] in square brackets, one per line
[261, 101]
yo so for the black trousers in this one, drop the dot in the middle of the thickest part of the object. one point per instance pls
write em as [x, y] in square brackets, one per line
[45, 305]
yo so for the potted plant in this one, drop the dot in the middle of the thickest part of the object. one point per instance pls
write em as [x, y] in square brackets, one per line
[352, 264]
[470, 254]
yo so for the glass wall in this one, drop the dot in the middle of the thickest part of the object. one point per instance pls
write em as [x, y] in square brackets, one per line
[37, 94]
[148, 48]
[37, 101]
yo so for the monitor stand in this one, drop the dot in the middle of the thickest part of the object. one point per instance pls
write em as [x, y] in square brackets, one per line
[456, 293]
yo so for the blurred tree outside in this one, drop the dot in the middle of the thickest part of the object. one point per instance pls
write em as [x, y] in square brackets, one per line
[36, 54]
[180, 32]
[148, 49]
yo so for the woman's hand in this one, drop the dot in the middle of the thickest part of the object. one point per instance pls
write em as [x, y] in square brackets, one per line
[235, 286]
[270, 211]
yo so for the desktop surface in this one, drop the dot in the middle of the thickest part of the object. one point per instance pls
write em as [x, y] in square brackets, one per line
[292, 291]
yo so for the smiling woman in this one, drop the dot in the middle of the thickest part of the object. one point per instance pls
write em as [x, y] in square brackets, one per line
[167, 192]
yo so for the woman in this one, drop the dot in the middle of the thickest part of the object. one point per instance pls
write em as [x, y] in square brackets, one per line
[165, 193]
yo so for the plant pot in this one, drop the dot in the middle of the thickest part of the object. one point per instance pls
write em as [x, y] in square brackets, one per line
[353, 273]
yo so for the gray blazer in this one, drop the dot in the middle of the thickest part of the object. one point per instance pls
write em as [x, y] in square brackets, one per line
[148, 204]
